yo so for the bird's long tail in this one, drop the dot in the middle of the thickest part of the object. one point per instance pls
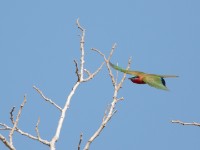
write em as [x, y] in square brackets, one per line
[117, 67]
[168, 76]
[134, 73]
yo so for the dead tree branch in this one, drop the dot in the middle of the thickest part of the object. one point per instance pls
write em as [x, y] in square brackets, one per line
[186, 123]
[80, 76]
[81, 138]
[46, 99]
[11, 115]
[6, 127]
[110, 111]
[80, 71]
[6, 143]
[16, 122]
[37, 129]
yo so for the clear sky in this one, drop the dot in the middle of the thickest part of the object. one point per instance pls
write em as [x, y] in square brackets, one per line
[39, 41]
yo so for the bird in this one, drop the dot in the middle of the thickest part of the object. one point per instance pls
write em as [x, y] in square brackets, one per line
[153, 80]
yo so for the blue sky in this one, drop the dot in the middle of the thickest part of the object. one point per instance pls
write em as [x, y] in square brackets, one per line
[39, 41]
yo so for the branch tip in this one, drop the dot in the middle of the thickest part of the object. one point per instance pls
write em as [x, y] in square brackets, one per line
[47, 99]
[80, 140]
[11, 115]
[37, 128]
[186, 123]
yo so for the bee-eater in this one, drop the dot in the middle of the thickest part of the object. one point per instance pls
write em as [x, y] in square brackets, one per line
[153, 80]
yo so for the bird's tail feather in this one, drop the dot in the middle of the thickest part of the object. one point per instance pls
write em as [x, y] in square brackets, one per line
[168, 76]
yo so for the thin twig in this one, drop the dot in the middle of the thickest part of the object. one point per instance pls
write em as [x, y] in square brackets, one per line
[37, 128]
[79, 26]
[47, 99]
[6, 127]
[124, 77]
[16, 122]
[82, 41]
[120, 99]
[186, 123]
[91, 76]
[88, 72]
[11, 115]
[107, 61]
[112, 51]
[80, 140]
[77, 72]
[94, 49]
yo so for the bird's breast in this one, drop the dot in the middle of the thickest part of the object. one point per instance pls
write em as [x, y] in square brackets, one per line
[137, 80]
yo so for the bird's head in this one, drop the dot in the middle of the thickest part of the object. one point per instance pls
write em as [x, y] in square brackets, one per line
[136, 79]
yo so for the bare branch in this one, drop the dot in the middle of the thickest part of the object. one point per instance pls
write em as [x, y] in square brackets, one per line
[107, 61]
[81, 79]
[6, 143]
[37, 129]
[79, 26]
[82, 41]
[94, 49]
[124, 77]
[88, 72]
[120, 99]
[62, 117]
[47, 99]
[16, 122]
[80, 74]
[112, 51]
[186, 123]
[110, 111]
[106, 112]
[91, 76]
[117, 73]
[11, 115]
[98, 131]
[77, 72]
[79, 144]
[6, 127]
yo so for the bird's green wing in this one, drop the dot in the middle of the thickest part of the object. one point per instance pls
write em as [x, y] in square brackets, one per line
[154, 81]
[135, 73]
[165, 76]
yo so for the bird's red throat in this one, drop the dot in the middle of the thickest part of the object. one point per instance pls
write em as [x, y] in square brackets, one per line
[137, 80]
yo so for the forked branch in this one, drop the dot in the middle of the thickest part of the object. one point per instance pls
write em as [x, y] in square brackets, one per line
[80, 75]
[80, 71]
[16, 121]
[110, 111]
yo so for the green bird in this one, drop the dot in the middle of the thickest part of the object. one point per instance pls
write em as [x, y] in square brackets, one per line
[153, 80]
